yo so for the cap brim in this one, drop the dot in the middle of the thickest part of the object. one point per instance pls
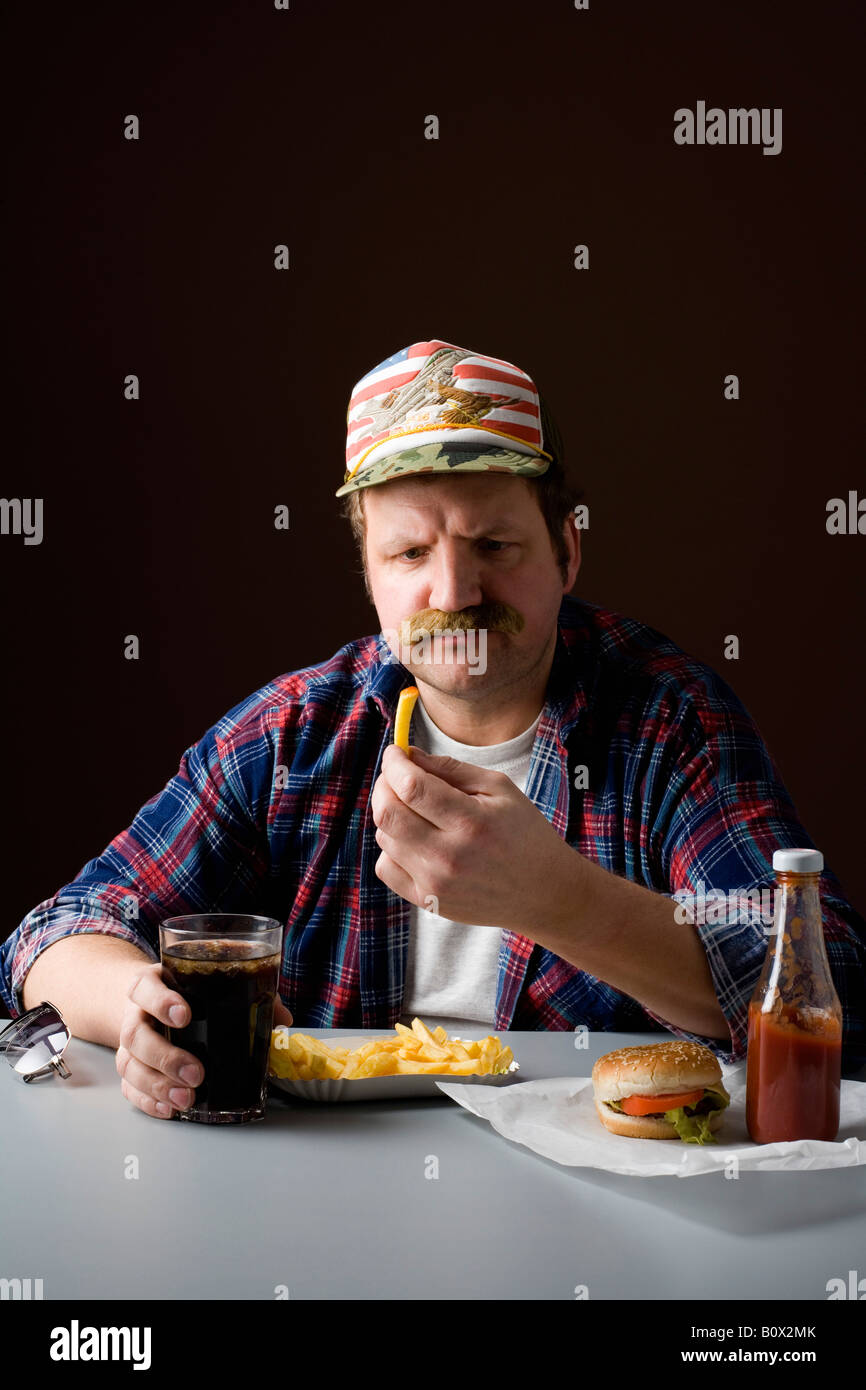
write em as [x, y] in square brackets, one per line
[445, 458]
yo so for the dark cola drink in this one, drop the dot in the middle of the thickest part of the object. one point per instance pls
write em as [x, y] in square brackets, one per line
[230, 987]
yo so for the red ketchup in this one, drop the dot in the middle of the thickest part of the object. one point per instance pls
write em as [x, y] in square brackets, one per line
[794, 1066]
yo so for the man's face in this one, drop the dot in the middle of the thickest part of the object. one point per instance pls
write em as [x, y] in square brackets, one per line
[445, 545]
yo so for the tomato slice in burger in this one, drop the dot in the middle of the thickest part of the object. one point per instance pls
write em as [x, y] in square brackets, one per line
[652, 1105]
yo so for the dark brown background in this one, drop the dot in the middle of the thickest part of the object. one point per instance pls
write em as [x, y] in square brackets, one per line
[707, 517]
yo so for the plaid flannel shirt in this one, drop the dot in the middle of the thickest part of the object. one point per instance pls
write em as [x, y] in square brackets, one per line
[270, 813]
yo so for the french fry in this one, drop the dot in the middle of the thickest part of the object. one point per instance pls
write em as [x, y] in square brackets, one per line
[281, 1064]
[467, 1068]
[403, 718]
[351, 1068]
[422, 1032]
[385, 1064]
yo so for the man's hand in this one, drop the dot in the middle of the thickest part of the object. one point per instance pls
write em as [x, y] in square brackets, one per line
[467, 839]
[157, 1076]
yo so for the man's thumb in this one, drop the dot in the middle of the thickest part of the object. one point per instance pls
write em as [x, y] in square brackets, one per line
[281, 1013]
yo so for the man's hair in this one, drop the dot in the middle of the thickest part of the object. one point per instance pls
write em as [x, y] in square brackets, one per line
[555, 495]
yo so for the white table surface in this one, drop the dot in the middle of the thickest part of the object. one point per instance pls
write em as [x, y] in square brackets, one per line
[332, 1202]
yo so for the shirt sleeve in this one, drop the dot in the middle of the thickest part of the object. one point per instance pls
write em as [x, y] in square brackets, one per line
[197, 846]
[723, 813]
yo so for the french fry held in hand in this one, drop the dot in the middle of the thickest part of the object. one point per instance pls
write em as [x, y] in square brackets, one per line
[412, 1051]
[403, 718]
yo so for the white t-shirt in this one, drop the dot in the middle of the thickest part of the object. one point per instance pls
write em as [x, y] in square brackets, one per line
[452, 968]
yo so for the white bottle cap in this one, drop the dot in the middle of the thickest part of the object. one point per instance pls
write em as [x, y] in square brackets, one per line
[798, 861]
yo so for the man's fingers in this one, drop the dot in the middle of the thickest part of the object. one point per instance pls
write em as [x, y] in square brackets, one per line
[140, 1039]
[148, 1082]
[464, 777]
[281, 1013]
[396, 878]
[422, 790]
[393, 817]
[159, 1109]
[150, 992]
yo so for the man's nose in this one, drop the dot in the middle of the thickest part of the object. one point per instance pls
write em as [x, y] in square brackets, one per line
[456, 581]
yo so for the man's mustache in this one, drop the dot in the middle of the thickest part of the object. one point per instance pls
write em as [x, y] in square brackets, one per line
[496, 617]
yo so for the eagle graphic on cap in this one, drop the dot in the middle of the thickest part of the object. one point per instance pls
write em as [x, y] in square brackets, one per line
[421, 400]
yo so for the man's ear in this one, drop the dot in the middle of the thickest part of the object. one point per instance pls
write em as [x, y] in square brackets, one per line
[571, 532]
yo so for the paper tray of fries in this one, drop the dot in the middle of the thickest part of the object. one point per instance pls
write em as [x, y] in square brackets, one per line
[406, 1063]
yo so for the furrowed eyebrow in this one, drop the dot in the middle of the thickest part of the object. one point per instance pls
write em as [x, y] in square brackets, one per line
[499, 527]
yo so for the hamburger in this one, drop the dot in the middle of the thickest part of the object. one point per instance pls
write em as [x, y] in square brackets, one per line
[666, 1090]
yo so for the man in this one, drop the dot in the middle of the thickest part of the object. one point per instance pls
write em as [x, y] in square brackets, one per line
[571, 771]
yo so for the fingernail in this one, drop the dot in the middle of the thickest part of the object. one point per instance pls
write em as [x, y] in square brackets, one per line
[189, 1074]
[163, 1108]
[177, 1013]
[178, 1097]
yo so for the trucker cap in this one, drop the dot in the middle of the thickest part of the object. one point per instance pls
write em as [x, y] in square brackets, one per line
[437, 408]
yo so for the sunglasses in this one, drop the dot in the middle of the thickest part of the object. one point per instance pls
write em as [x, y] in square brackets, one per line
[33, 1044]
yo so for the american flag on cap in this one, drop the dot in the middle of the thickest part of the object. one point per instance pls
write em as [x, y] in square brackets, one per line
[434, 406]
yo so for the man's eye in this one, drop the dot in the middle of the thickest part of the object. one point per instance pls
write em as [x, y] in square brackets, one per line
[500, 545]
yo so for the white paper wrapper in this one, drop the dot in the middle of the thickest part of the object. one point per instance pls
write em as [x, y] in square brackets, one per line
[557, 1119]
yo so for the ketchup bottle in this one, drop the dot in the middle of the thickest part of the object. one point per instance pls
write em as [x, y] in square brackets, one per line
[794, 1067]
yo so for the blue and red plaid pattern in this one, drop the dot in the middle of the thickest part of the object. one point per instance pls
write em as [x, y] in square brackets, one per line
[270, 813]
